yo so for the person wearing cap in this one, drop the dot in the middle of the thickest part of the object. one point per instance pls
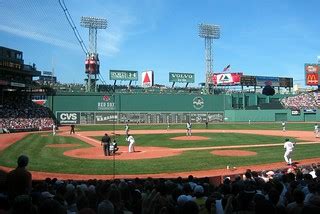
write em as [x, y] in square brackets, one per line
[283, 126]
[105, 142]
[72, 129]
[288, 146]
[199, 198]
[131, 141]
[54, 129]
[126, 129]
[189, 128]
[316, 130]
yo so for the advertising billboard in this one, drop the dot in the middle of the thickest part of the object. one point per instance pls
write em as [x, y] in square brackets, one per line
[147, 79]
[312, 74]
[248, 80]
[226, 78]
[123, 75]
[286, 82]
[263, 81]
[181, 77]
[68, 117]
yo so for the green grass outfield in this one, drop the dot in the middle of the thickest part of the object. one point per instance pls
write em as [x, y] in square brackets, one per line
[214, 139]
[218, 126]
[51, 159]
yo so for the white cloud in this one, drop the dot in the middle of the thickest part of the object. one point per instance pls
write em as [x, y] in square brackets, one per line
[39, 37]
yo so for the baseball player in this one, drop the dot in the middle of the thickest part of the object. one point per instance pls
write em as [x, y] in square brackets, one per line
[54, 128]
[72, 129]
[189, 129]
[288, 146]
[283, 126]
[131, 141]
[316, 130]
[127, 129]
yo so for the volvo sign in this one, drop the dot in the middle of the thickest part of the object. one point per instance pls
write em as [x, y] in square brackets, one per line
[181, 77]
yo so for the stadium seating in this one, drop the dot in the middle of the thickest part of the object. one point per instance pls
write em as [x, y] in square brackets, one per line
[301, 101]
[290, 190]
[21, 114]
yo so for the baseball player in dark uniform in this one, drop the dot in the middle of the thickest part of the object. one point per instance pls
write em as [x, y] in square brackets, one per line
[72, 129]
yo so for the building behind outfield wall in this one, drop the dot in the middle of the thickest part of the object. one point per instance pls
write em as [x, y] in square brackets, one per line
[101, 108]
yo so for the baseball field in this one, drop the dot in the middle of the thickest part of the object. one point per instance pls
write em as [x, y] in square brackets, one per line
[161, 151]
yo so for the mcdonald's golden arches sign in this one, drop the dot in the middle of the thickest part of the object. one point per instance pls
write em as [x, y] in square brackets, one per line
[312, 74]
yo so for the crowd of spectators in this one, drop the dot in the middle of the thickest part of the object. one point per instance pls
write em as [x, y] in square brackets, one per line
[301, 101]
[292, 190]
[18, 113]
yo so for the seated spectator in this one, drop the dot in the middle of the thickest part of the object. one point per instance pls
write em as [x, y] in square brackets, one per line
[19, 180]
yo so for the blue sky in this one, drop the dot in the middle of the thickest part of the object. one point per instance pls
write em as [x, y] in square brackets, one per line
[258, 37]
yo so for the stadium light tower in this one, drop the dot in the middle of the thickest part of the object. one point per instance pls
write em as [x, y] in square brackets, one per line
[92, 59]
[209, 32]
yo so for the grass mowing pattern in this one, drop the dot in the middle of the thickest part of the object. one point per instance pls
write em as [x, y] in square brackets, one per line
[218, 126]
[50, 159]
[215, 139]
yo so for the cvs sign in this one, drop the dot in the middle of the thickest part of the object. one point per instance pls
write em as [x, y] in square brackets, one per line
[68, 117]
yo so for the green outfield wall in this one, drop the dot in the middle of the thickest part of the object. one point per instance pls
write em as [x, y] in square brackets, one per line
[99, 108]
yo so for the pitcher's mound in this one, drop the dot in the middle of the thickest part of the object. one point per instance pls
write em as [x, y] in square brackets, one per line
[237, 153]
[123, 154]
[189, 138]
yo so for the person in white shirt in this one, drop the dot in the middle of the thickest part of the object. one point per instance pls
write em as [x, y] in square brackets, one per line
[283, 126]
[54, 129]
[131, 141]
[188, 129]
[316, 129]
[289, 146]
[127, 129]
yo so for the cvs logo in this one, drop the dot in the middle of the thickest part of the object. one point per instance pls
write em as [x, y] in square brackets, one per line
[68, 116]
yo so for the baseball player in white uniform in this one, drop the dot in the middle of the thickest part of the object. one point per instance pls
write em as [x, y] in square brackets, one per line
[316, 130]
[54, 128]
[127, 129]
[289, 146]
[283, 126]
[131, 141]
[188, 129]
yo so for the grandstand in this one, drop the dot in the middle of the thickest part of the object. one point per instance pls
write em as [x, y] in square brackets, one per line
[17, 111]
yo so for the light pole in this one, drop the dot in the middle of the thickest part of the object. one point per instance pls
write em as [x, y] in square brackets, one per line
[92, 59]
[209, 32]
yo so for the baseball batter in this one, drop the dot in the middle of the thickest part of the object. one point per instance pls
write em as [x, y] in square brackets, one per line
[131, 142]
[288, 146]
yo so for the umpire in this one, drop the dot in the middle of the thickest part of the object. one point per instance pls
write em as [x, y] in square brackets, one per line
[105, 141]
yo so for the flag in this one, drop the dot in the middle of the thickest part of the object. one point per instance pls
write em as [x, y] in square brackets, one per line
[226, 68]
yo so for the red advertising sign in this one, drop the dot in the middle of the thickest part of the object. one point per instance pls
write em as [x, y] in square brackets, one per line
[312, 78]
[311, 68]
[312, 74]
[226, 78]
